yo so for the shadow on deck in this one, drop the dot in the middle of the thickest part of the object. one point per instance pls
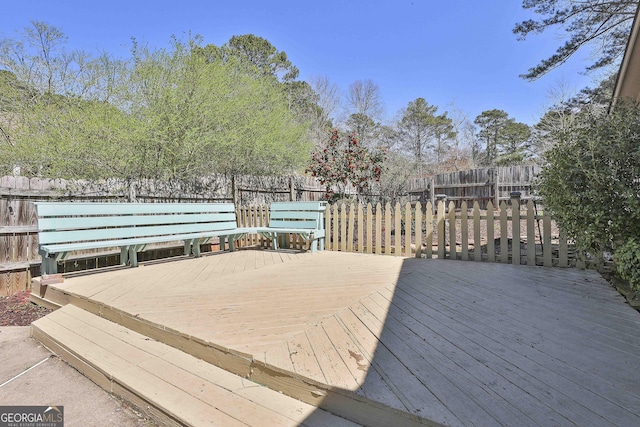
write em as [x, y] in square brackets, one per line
[388, 341]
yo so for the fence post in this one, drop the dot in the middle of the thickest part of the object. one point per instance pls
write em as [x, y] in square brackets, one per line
[408, 230]
[379, 216]
[531, 234]
[464, 230]
[515, 227]
[453, 254]
[491, 242]
[441, 230]
[504, 238]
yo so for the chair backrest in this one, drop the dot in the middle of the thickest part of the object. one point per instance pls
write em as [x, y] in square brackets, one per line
[297, 215]
[61, 222]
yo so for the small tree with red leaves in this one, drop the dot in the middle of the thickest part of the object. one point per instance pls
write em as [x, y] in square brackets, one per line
[343, 162]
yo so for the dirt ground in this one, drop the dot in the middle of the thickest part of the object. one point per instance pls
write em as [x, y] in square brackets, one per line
[31, 375]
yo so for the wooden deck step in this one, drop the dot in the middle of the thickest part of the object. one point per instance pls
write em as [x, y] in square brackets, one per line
[173, 387]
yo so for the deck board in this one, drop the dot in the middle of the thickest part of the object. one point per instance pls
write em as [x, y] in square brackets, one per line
[458, 343]
[194, 392]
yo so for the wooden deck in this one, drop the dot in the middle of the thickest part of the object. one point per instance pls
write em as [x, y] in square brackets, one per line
[392, 341]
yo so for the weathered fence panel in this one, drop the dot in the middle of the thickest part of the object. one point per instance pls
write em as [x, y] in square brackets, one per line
[481, 185]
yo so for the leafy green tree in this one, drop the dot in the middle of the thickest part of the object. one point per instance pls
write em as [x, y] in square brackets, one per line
[443, 135]
[491, 124]
[514, 139]
[604, 25]
[590, 181]
[504, 138]
[256, 54]
[201, 114]
[166, 114]
[361, 124]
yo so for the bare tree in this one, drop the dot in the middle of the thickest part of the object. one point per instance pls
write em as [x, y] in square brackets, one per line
[364, 98]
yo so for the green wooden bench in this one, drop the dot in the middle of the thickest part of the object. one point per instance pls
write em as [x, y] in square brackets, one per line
[67, 227]
[305, 219]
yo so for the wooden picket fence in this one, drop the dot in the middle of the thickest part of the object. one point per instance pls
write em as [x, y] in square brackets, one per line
[444, 232]
[512, 233]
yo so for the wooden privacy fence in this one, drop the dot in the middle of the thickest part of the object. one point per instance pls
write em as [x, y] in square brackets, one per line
[515, 233]
[482, 185]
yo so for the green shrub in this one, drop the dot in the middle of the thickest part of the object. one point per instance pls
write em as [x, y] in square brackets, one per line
[591, 179]
[627, 259]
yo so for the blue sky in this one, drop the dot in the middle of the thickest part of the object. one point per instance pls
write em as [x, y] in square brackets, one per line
[460, 51]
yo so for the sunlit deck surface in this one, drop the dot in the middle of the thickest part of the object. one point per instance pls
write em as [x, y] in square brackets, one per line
[394, 341]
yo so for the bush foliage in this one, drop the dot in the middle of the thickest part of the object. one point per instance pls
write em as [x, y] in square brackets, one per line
[591, 179]
[627, 258]
[343, 162]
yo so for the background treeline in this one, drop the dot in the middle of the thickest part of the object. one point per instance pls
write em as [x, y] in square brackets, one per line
[190, 109]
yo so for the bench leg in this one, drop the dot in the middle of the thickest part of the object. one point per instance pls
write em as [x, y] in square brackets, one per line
[124, 256]
[321, 243]
[192, 247]
[232, 245]
[133, 257]
[48, 266]
[314, 245]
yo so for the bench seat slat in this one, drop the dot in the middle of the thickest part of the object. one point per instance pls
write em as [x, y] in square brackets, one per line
[297, 206]
[302, 224]
[130, 232]
[69, 247]
[317, 233]
[51, 223]
[297, 215]
[46, 209]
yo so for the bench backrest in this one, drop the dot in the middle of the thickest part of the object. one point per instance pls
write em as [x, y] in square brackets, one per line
[60, 222]
[297, 215]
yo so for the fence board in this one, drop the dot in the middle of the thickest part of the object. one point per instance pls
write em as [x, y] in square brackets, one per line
[387, 230]
[429, 230]
[531, 233]
[369, 243]
[547, 249]
[407, 230]
[361, 222]
[351, 227]
[515, 231]
[343, 229]
[418, 230]
[491, 235]
[477, 233]
[441, 230]
[504, 234]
